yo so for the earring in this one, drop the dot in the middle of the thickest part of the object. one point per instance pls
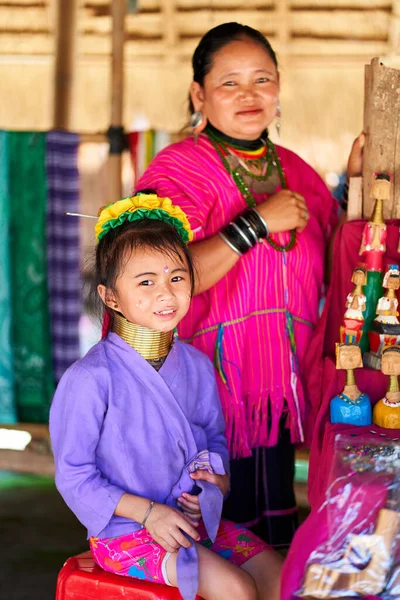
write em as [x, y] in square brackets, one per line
[278, 122]
[198, 123]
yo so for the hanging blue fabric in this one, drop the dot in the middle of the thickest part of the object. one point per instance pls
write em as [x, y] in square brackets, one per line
[8, 412]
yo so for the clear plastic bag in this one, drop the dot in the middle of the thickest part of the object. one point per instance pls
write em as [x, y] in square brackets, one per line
[361, 555]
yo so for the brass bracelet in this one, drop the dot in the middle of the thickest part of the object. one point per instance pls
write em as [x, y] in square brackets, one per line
[146, 516]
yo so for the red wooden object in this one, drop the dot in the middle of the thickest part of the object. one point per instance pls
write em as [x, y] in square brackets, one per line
[81, 579]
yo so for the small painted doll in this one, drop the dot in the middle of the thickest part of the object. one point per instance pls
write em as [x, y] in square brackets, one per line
[356, 300]
[387, 411]
[351, 406]
[386, 309]
[373, 243]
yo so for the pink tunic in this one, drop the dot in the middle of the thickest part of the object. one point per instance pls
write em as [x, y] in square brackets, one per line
[258, 320]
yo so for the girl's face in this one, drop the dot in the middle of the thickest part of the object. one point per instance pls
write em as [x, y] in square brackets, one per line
[153, 290]
[240, 93]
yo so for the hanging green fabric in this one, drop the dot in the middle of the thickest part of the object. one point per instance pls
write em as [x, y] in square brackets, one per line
[8, 412]
[30, 319]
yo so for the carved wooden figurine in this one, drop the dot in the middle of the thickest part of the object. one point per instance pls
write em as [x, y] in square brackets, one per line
[386, 309]
[373, 243]
[351, 406]
[387, 411]
[356, 300]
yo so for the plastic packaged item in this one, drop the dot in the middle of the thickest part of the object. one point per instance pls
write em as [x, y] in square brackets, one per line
[361, 557]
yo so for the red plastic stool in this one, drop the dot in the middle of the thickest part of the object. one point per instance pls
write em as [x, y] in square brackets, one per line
[82, 579]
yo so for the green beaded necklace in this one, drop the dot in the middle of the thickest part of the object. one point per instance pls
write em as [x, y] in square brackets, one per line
[222, 151]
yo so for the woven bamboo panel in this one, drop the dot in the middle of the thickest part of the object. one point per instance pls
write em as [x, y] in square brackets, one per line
[301, 27]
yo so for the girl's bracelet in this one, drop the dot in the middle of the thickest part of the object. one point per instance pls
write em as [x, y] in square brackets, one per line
[146, 516]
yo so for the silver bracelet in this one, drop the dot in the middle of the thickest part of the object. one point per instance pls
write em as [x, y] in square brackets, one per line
[223, 237]
[242, 235]
[263, 221]
[146, 516]
[249, 227]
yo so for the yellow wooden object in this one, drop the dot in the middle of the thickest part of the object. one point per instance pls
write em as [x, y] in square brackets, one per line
[386, 416]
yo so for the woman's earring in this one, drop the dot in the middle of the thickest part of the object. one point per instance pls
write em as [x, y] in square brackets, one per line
[198, 123]
[278, 122]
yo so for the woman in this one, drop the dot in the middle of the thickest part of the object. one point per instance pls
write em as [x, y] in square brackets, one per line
[256, 303]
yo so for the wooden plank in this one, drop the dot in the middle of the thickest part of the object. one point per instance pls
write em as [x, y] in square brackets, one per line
[26, 43]
[141, 25]
[369, 24]
[94, 45]
[37, 430]
[361, 4]
[197, 22]
[382, 128]
[321, 47]
[25, 19]
[24, 3]
[26, 462]
[227, 4]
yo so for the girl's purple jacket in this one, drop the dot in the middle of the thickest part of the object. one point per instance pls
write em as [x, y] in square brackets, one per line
[117, 425]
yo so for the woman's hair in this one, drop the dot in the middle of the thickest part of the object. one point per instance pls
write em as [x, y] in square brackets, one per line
[217, 38]
[116, 247]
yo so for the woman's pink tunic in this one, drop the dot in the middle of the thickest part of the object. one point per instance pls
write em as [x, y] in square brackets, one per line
[258, 320]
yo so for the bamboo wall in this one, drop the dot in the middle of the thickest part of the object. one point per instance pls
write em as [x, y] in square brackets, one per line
[322, 46]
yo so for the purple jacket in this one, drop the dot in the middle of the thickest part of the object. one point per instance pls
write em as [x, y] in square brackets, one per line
[118, 426]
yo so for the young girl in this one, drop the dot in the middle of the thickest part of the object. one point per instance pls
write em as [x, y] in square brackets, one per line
[137, 427]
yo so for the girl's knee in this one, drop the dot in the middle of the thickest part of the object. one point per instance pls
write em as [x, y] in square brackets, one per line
[242, 587]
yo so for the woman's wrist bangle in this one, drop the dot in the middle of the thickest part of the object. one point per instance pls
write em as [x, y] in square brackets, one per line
[229, 243]
[146, 516]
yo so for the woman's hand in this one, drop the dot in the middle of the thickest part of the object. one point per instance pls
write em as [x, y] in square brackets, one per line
[355, 162]
[164, 524]
[221, 481]
[284, 211]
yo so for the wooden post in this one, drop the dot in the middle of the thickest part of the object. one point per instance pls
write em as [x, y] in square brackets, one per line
[65, 59]
[382, 127]
[117, 89]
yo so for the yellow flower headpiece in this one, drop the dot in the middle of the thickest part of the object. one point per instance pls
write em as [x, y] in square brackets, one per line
[138, 207]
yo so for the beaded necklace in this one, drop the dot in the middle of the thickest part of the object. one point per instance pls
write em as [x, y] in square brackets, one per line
[268, 154]
[349, 400]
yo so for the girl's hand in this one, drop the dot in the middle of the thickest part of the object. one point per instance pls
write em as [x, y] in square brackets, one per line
[191, 507]
[355, 162]
[221, 481]
[284, 211]
[164, 524]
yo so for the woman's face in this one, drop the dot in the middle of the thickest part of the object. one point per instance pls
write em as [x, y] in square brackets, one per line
[240, 93]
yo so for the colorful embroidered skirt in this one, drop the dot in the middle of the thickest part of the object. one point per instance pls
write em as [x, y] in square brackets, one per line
[138, 555]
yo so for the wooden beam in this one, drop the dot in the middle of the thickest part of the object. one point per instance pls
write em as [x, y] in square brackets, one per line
[117, 95]
[65, 61]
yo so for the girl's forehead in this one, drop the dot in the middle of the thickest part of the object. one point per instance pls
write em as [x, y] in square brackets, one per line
[158, 259]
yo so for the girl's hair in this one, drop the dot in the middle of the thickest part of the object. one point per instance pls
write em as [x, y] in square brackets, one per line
[115, 248]
[217, 38]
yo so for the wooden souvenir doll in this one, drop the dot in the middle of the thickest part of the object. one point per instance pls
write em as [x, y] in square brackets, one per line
[356, 300]
[373, 243]
[387, 411]
[386, 309]
[351, 406]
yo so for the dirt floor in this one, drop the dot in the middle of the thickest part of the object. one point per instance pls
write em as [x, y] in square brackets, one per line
[38, 533]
